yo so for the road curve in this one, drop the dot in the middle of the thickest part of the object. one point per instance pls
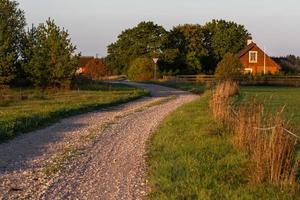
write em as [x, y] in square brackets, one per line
[107, 156]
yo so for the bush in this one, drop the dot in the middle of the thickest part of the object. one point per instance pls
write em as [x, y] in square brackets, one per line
[141, 69]
[96, 68]
[229, 68]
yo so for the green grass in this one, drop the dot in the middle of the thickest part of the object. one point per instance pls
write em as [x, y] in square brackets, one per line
[189, 160]
[38, 110]
[275, 98]
[197, 88]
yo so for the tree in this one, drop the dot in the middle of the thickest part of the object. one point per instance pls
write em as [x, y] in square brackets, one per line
[141, 69]
[229, 67]
[223, 37]
[12, 23]
[289, 64]
[189, 41]
[141, 41]
[96, 68]
[49, 56]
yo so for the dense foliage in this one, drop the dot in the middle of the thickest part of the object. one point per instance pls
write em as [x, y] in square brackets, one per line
[186, 49]
[141, 69]
[144, 40]
[12, 23]
[49, 57]
[289, 64]
[96, 68]
[44, 55]
[229, 68]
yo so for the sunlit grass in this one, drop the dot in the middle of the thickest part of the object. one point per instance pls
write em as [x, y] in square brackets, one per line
[275, 98]
[39, 109]
[188, 159]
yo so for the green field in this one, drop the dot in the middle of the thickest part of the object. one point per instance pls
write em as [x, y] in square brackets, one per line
[39, 109]
[188, 159]
[276, 98]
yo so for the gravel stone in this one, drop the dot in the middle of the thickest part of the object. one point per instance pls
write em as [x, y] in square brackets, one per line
[111, 164]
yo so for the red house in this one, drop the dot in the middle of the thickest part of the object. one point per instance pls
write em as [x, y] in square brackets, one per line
[256, 61]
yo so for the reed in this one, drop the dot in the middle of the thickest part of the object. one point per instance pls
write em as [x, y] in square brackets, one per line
[272, 151]
[221, 105]
[261, 135]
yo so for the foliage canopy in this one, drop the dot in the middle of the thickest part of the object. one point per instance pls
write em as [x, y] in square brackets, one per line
[186, 49]
[12, 23]
[49, 56]
[144, 40]
[229, 68]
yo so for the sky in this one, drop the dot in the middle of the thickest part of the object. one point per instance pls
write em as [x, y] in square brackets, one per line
[94, 24]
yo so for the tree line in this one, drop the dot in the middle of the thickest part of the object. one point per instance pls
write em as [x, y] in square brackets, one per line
[186, 49]
[289, 64]
[42, 55]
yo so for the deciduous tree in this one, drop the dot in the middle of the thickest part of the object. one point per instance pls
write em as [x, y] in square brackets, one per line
[189, 41]
[141, 41]
[223, 37]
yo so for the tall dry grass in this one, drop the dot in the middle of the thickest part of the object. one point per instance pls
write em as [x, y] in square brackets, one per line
[262, 135]
[221, 105]
[271, 149]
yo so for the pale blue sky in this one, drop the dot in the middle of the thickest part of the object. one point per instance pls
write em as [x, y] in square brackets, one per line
[93, 24]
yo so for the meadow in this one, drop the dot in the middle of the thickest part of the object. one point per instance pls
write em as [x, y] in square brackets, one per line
[275, 98]
[25, 110]
[189, 159]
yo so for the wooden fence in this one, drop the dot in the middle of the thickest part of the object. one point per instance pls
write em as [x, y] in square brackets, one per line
[246, 80]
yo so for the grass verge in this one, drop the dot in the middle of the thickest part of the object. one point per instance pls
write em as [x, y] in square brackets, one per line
[21, 115]
[197, 88]
[188, 159]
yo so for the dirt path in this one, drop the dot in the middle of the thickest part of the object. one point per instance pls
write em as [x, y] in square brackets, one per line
[100, 155]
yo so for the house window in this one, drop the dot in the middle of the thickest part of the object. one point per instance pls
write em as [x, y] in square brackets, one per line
[253, 57]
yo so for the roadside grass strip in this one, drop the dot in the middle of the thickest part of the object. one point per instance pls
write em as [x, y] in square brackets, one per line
[188, 158]
[22, 116]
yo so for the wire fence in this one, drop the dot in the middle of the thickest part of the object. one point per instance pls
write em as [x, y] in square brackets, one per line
[266, 128]
[244, 80]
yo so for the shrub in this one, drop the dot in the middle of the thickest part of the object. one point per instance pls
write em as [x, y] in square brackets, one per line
[229, 68]
[96, 68]
[141, 69]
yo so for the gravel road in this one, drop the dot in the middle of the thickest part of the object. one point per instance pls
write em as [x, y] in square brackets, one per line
[99, 155]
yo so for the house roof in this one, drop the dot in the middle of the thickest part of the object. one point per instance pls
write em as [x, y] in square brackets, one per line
[84, 60]
[249, 47]
[246, 49]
